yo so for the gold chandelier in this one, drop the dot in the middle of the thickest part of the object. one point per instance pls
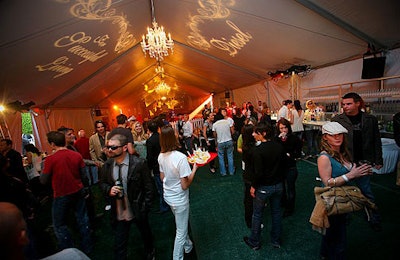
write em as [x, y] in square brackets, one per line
[156, 42]
[162, 89]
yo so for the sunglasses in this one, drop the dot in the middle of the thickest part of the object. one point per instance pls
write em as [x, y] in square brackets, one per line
[113, 147]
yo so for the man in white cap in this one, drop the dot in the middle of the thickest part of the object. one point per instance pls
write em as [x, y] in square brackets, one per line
[364, 143]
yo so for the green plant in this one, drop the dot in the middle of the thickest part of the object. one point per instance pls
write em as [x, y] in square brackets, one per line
[26, 123]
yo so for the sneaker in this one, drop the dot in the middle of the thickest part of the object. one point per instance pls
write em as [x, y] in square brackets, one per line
[276, 245]
[246, 240]
[212, 170]
[151, 255]
[187, 251]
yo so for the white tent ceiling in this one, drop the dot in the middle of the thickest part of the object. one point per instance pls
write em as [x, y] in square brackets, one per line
[87, 53]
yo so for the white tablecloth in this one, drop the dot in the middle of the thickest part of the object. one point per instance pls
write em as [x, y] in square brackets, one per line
[390, 152]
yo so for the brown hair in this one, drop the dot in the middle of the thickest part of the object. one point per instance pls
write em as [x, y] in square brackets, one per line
[284, 122]
[342, 155]
[168, 140]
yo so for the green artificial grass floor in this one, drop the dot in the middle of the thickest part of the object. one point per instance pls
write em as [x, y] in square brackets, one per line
[217, 223]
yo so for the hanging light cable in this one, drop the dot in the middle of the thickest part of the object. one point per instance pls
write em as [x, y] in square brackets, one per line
[156, 42]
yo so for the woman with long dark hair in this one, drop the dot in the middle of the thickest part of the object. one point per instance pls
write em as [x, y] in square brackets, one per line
[248, 170]
[292, 147]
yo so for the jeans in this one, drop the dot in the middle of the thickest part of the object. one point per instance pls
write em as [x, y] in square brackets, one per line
[189, 144]
[333, 245]
[92, 174]
[61, 208]
[312, 146]
[182, 240]
[364, 183]
[228, 148]
[121, 230]
[272, 193]
[159, 185]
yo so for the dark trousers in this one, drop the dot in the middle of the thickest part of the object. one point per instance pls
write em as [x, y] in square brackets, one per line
[248, 204]
[289, 192]
[333, 245]
[61, 208]
[121, 230]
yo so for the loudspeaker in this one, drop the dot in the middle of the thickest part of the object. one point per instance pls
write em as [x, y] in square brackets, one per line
[97, 112]
[227, 94]
[373, 67]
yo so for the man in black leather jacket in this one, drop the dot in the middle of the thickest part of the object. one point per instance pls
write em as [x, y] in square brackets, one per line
[127, 182]
[364, 143]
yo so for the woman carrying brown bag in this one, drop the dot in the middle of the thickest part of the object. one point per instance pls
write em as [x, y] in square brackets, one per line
[336, 169]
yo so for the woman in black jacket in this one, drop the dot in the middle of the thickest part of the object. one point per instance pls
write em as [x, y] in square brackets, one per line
[292, 145]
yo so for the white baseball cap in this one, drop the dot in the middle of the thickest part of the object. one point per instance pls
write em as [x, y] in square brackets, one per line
[333, 128]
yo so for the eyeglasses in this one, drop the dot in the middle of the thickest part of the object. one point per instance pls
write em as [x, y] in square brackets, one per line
[113, 147]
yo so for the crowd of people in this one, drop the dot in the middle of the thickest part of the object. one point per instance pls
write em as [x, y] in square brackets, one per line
[137, 162]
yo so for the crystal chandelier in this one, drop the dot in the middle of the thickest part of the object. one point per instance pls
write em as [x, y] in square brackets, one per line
[156, 41]
[162, 89]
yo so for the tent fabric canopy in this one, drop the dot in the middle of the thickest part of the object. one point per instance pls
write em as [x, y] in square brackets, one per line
[77, 56]
[86, 54]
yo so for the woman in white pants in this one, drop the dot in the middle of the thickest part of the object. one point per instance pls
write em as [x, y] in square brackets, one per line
[176, 176]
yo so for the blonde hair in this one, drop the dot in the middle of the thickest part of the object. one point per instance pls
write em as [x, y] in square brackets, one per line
[138, 136]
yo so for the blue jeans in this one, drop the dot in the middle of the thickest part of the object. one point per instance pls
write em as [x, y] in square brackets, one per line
[189, 144]
[61, 208]
[312, 146]
[92, 174]
[272, 193]
[182, 240]
[226, 147]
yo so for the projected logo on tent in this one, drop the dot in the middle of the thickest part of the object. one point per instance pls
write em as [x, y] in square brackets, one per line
[101, 11]
[210, 12]
[74, 42]
[87, 10]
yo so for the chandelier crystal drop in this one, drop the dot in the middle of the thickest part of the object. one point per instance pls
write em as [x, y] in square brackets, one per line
[157, 43]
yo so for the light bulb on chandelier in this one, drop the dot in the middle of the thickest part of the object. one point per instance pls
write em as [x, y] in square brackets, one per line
[156, 41]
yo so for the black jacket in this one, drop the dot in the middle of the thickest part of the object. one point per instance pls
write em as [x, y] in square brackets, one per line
[153, 150]
[292, 147]
[396, 128]
[372, 145]
[140, 188]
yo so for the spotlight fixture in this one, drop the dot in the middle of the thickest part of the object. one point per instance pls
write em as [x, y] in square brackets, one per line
[300, 70]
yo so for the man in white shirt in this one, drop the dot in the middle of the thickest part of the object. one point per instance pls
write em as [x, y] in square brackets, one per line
[284, 111]
[223, 129]
[187, 129]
